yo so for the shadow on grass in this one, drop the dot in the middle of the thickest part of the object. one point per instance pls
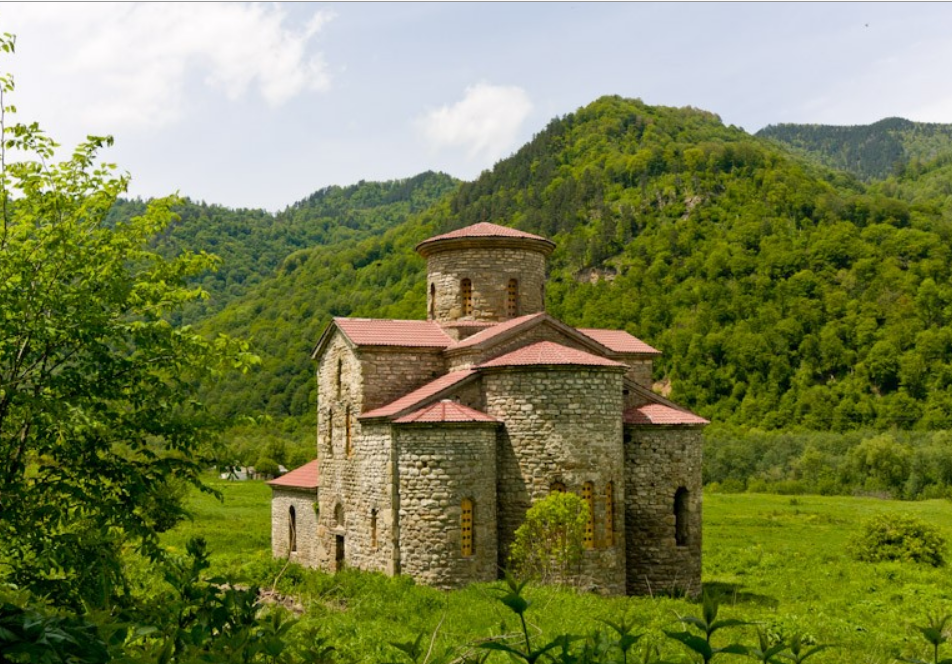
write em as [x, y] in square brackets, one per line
[733, 593]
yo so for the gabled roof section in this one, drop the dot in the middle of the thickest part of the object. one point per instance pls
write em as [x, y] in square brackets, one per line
[383, 332]
[446, 411]
[486, 339]
[419, 396]
[659, 414]
[549, 353]
[306, 477]
[489, 334]
[485, 232]
[619, 341]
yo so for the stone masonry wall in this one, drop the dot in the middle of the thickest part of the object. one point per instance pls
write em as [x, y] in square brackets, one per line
[388, 374]
[562, 424]
[639, 369]
[305, 519]
[439, 466]
[356, 476]
[356, 502]
[489, 269]
[541, 332]
[660, 460]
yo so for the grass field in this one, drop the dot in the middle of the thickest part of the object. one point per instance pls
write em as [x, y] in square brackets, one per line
[776, 560]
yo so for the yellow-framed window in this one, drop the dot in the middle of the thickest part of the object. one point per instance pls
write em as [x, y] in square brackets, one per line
[466, 527]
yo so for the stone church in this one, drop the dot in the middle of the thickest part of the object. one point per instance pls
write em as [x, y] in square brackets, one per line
[434, 437]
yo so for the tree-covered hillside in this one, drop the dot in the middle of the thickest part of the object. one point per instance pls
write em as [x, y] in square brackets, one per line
[781, 293]
[869, 152]
[252, 243]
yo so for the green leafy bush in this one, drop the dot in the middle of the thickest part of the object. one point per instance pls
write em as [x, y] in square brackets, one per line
[899, 537]
[550, 543]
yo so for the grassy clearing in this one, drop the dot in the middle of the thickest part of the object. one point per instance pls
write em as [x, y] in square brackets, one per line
[778, 560]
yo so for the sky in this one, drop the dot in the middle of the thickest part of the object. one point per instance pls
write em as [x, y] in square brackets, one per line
[259, 105]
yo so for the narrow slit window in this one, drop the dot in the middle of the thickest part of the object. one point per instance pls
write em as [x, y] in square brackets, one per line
[466, 295]
[373, 529]
[681, 517]
[340, 374]
[330, 431]
[292, 530]
[610, 514]
[588, 495]
[348, 440]
[466, 527]
[432, 301]
[512, 298]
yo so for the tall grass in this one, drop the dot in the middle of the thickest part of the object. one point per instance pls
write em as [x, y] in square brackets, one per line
[780, 562]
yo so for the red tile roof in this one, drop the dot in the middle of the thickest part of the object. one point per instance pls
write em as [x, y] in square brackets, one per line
[419, 395]
[656, 413]
[619, 341]
[549, 353]
[495, 330]
[484, 229]
[407, 333]
[305, 477]
[446, 411]
[491, 233]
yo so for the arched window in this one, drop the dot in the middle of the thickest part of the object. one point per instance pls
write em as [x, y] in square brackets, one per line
[588, 495]
[373, 529]
[557, 487]
[340, 373]
[348, 440]
[466, 527]
[292, 530]
[432, 301]
[466, 297]
[681, 517]
[330, 431]
[512, 298]
[339, 515]
[610, 514]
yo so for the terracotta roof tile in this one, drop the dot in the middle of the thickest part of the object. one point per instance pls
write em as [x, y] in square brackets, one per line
[407, 333]
[420, 394]
[549, 353]
[484, 229]
[619, 341]
[305, 477]
[656, 413]
[446, 410]
[495, 330]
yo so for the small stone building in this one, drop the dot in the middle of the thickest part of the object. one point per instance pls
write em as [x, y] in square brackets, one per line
[294, 514]
[434, 437]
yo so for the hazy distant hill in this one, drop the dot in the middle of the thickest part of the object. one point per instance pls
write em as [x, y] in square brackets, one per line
[868, 151]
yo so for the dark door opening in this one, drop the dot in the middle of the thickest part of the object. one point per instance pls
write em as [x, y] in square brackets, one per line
[339, 554]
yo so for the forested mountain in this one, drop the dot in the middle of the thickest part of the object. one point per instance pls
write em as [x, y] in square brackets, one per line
[252, 243]
[782, 294]
[867, 151]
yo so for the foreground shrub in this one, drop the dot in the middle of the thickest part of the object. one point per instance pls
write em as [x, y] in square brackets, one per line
[899, 537]
[550, 543]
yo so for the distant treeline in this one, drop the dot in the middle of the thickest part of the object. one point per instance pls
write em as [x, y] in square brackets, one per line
[897, 464]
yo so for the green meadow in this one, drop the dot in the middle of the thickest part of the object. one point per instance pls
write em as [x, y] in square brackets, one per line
[780, 562]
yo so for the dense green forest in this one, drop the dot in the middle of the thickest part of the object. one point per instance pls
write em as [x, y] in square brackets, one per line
[869, 152]
[251, 244]
[783, 294]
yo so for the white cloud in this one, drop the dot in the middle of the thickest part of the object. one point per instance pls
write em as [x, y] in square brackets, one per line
[485, 122]
[135, 61]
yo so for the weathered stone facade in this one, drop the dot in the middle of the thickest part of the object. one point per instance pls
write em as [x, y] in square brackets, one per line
[435, 437]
